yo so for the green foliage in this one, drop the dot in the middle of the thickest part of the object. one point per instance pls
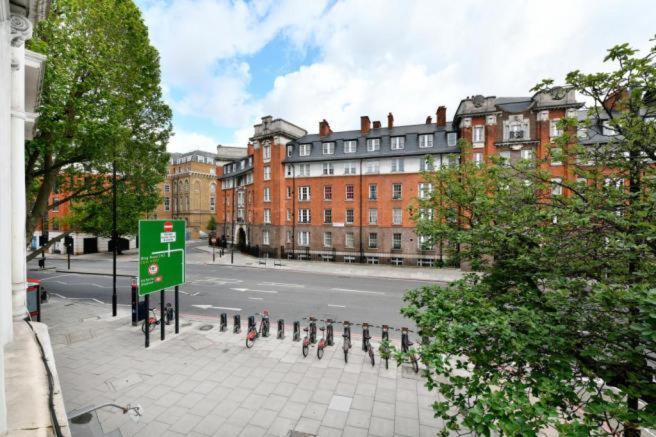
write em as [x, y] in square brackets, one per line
[559, 327]
[211, 224]
[385, 349]
[101, 103]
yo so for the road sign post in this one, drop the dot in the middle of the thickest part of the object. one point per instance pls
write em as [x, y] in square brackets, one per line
[161, 257]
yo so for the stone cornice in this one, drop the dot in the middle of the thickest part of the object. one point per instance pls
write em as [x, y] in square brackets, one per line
[21, 30]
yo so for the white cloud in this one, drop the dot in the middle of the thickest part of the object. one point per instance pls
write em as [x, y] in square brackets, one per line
[378, 56]
[183, 141]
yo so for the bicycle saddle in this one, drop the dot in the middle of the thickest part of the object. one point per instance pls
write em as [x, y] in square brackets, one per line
[305, 329]
[322, 329]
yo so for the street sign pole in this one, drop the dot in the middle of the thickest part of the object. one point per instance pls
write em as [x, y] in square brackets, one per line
[177, 309]
[147, 320]
[162, 297]
[114, 242]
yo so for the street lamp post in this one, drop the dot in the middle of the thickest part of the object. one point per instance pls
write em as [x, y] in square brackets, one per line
[114, 241]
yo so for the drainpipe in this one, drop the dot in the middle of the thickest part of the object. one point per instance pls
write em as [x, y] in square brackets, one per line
[361, 213]
[293, 210]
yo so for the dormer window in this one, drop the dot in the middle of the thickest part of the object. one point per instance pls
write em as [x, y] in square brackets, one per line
[373, 144]
[451, 139]
[350, 146]
[425, 141]
[397, 143]
[328, 148]
[305, 149]
[290, 151]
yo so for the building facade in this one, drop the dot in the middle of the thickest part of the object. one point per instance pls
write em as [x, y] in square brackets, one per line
[189, 191]
[352, 196]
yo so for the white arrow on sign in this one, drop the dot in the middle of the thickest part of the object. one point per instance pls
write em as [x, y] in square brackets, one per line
[207, 307]
[256, 291]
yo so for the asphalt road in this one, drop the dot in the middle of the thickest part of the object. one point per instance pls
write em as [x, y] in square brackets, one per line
[212, 289]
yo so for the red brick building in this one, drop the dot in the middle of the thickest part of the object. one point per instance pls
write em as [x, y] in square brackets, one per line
[347, 196]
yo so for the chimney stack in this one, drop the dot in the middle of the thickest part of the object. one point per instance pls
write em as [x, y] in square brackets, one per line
[324, 128]
[390, 121]
[365, 124]
[441, 116]
[429, 119]
[376, 124]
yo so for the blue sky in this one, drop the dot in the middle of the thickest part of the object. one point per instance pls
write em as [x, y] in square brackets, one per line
[227, 63]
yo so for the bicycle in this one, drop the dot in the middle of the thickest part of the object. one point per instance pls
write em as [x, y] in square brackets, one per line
[366, 345]
[405, 348]
[254, 333]
[151, 321]
[346, 345]
[385, 348]
[326, 337]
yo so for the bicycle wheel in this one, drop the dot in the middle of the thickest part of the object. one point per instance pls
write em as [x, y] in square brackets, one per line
[306, 349]
[415, 365]
[386, 363]
[319, 352]
[371, 356]
[249, 342]
[143, 326]
[346, 355]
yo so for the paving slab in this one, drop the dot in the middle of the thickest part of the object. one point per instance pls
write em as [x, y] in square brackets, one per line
[207, 383]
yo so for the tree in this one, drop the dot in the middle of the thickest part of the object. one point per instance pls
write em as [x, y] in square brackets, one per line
[211, 224]
[559, 328]
[101, 104]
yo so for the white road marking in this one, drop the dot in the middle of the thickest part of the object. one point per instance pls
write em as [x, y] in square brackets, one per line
[336, 306]
[256, 298]
[196, 293]
[61, 282]
[206, 307]
[281, 284]
[257, 291]
[59, 276]
[349, 290]
[77, 298]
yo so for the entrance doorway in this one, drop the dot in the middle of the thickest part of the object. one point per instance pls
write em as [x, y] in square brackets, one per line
[241, 239]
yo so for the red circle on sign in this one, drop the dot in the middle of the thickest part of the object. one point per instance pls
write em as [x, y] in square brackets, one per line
[168, 226]
[153, 269]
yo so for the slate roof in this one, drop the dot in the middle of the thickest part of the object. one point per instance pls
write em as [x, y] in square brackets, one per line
[409, 132]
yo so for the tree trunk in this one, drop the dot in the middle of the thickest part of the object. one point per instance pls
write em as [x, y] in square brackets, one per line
[40, 205]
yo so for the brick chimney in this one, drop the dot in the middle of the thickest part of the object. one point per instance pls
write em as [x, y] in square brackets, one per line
[441, 116]
[365, 124]
[324, 128]
[377, 124]
[390, 121]
[429, 119]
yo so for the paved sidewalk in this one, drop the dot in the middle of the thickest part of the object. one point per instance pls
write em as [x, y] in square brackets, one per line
[336, 268]
[207, 383]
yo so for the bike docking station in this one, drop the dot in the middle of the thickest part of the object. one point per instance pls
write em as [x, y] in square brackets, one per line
[161, 266]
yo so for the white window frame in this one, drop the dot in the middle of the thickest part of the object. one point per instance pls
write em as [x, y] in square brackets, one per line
[478, 159]
[289, 215]
[400, 191]
[167, 204]
[372, 192]
[167, 188]
[327, 239]
[425, 190]
[478, 134]
[265, 237]
[554, 131]
[267, 194]
[328, 148]
[327, 212]
[304, 238]
[555, 163]
[328, 169]
[304, 193]
[372, 237]
[303, 170]
[346, 216]
[373, 216]
[267, 173]
[373, 167]
[349, 240]
[266, 153]
[305, 150]
[304, 215]
[267, 215]
[505, 155]
[398, 165]
[346, 192]
[397, 216]
[329, 189]
[397, 143]
[350, 146]
[394, 240]
[526, 154]
[373, 144]
[425, 141]
[556, 189]
[350, 168]
[451, 139]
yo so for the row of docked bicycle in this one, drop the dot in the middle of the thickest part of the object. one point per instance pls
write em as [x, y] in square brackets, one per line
[386, 349]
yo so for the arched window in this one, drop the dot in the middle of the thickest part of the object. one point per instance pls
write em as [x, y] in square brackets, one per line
[212, 197]
[186, 185]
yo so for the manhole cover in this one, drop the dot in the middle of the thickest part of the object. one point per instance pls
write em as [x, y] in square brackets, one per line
[206, 327]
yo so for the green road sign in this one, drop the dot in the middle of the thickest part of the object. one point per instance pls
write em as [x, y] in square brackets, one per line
[161, 255]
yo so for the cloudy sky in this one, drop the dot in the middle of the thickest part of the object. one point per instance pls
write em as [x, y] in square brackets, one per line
[227, 63]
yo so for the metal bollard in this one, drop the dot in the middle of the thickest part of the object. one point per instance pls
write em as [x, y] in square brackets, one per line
[297, 331]
[281, 329]
[365, 334]
[329, 332]
[313, 330]
[251, 322]
[169, 313]
[223, 325]
[237, 324]
[385, 333]
[44, 294]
